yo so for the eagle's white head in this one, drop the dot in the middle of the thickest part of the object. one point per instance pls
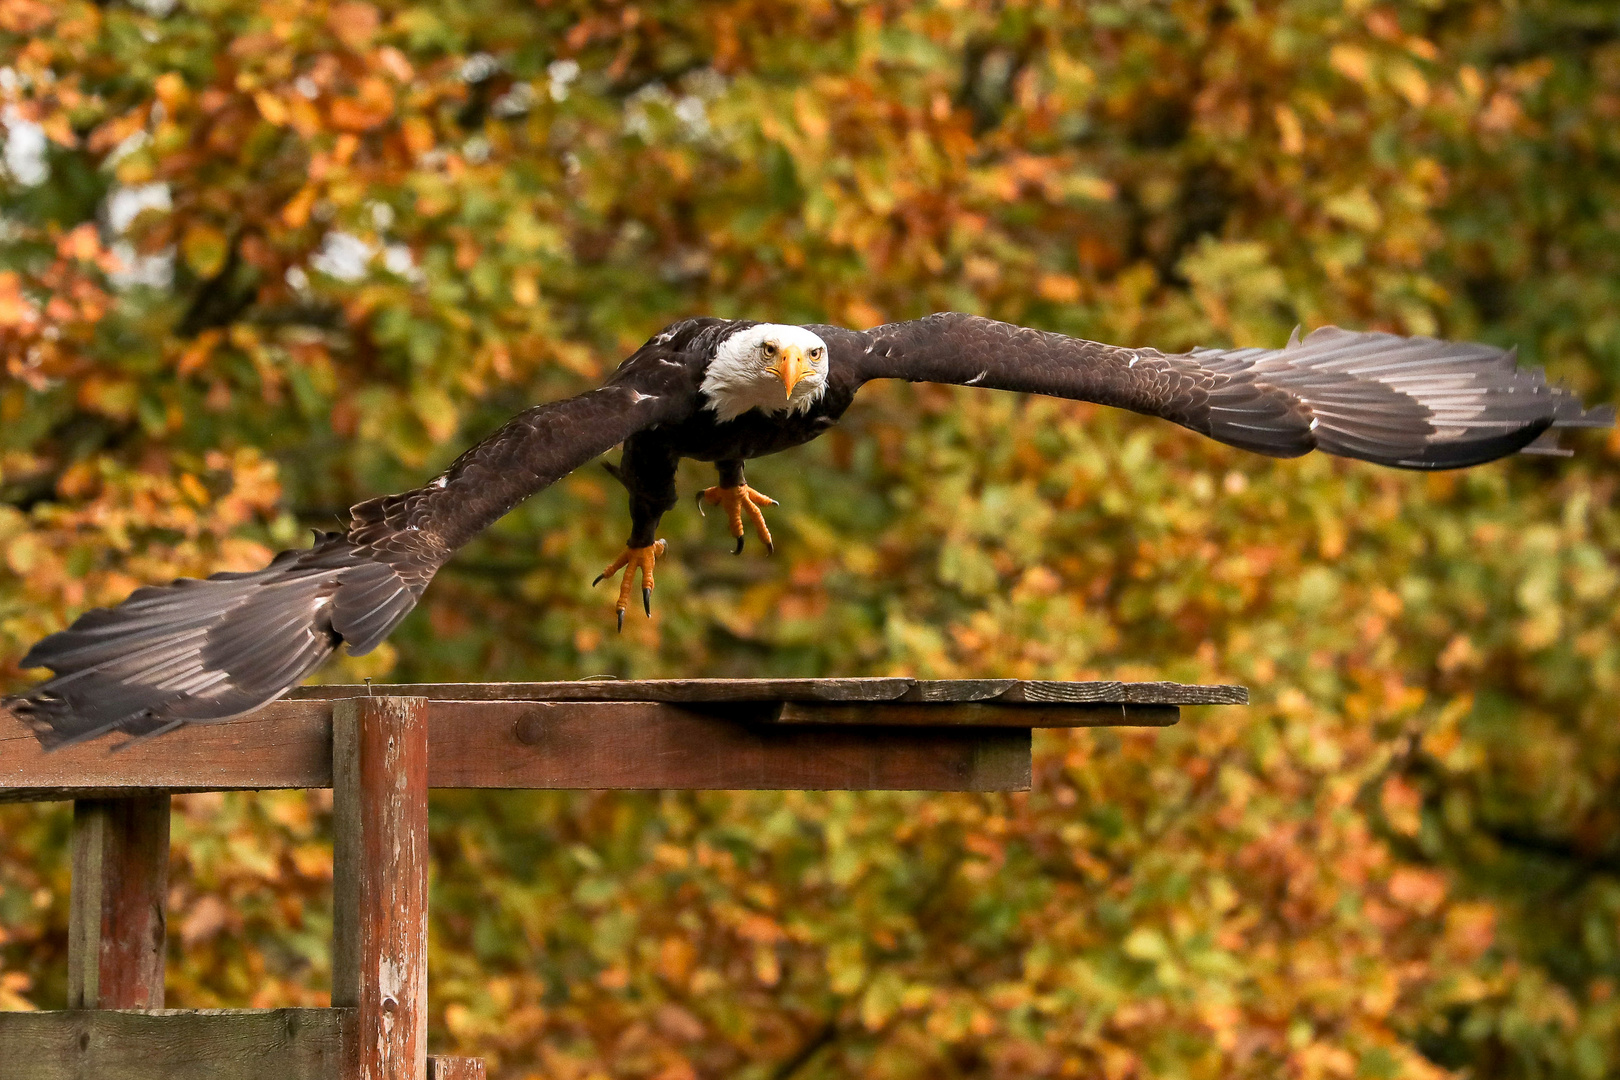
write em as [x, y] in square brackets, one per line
[772, 367]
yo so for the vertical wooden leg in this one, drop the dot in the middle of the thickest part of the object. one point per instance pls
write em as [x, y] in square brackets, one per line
[455, 1068]
[118, 922]
[380, 879]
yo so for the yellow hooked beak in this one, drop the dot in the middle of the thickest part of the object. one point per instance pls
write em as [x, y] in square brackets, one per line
[792, 368]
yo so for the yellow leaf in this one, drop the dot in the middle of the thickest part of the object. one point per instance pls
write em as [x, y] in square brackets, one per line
[171, 90]
[437, 412]
[271, 108]
[205, 248]
[524, 289]
[1407, 79]
[1352, 62]
[1289, 130]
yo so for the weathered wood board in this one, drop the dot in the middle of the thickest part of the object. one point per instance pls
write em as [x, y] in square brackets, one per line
[380, 880]
[528, 744]
[178, 1044]
[117, 922]
[878, 733]
[977, 714]
[1001, 691]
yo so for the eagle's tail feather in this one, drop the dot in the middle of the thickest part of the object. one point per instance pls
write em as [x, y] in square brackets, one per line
[211, 649]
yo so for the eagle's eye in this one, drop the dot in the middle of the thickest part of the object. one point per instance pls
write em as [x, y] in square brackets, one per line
[815, 353]
[769, 348]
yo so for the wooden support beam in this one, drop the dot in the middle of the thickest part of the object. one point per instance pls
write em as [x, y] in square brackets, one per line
[908, 714]
[620, 746]
[534, 744]
[380, 880]
[178, 1044]
[117, 921]
[455, 1068]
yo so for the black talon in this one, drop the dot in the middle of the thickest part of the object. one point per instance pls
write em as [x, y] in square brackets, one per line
[738, 550]
[770, 547]
[598, 580]
[621, 619]
[699, 501]
[646, 600]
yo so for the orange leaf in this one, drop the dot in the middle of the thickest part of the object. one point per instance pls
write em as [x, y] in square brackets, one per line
[25, 16]
[296, 213]
[353, 23]
[418, 135]
[1422, 891]
[82, 243]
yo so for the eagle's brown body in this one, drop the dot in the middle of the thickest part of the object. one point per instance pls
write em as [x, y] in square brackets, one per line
[203, 650]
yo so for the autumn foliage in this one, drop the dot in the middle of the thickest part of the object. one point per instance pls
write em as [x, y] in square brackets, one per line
[260, 259]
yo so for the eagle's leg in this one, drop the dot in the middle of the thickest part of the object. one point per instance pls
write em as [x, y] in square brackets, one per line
[647, 471]
[738, 498]
[630, 560]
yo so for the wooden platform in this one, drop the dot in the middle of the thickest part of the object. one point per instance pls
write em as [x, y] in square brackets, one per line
[380, 749]
[853, 734]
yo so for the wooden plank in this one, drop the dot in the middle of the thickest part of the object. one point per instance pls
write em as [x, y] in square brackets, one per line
[670, 690]
[982, 715]
[178, 1044]
[379, 948]
[1144, 693]
[286, 744]
[943, 690]
[622, 746]
[346, 855]
[474, 744]
[455, 1068]
[692, 691]
[117, 914]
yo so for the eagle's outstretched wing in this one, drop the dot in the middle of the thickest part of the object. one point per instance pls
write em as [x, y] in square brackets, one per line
[1416, 403]
[216, 648]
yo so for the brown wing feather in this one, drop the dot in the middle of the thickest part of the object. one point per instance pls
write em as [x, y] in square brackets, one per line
[1416, 403]
[207, 650]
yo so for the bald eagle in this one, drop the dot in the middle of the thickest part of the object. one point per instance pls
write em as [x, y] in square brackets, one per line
[726, 391]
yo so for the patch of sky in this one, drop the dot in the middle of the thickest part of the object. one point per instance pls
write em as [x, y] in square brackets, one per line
[515, 102]
[560, 76]
[123, 206]
[478, 67]
[343, 256]
[25, 149]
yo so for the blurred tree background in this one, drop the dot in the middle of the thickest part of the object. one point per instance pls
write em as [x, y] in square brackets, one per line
[260, 259]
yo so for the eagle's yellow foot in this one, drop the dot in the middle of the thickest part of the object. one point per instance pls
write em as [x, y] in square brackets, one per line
[630, 560]
[736, 500]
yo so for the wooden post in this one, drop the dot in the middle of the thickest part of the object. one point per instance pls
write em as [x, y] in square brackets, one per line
[380, 879]
[455, 1068]
[117, 923]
